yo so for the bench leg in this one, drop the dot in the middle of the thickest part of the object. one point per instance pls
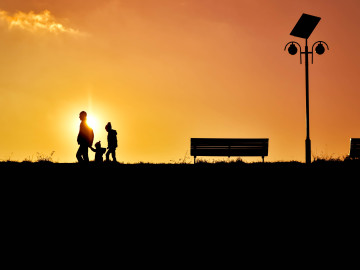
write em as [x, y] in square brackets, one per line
[194, 159]
[263, 159]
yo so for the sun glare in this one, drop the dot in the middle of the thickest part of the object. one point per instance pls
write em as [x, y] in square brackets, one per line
[92, 122]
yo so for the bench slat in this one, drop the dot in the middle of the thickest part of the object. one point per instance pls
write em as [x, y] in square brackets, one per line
[226, 142]
[225, 153]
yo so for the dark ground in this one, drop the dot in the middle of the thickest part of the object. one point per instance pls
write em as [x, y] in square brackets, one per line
[185, 183]
[222, 172]
[284, 214]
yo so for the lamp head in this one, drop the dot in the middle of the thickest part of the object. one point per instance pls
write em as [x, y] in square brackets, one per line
[320, 49]
[292, 49]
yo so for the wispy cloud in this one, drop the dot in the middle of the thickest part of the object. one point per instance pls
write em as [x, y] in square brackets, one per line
[31, 21]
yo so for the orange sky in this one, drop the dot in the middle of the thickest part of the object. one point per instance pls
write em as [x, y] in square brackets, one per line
[164, 71]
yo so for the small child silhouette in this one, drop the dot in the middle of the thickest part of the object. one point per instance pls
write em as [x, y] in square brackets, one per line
[112, 142]
[99, 152]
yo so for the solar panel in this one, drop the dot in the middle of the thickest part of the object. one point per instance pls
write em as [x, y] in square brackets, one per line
[305, 26]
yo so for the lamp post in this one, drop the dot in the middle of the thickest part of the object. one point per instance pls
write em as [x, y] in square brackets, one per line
[303, 29]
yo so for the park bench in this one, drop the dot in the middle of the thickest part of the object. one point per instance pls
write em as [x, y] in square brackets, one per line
[354, 148]
[229, 147]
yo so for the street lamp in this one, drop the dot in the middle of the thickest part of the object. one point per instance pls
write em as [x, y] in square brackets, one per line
[303, 29]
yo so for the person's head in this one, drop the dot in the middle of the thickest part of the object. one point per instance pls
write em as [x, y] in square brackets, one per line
[98, 144]
[108, 126]
[83, 116]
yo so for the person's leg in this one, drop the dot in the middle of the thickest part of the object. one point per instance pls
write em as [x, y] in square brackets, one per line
[107, 154]
[79, 155]
[86, 154]
[113, 154]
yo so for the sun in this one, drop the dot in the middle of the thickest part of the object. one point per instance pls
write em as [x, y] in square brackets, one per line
[92, 122]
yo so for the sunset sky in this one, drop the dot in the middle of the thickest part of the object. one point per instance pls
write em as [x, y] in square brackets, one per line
[165, 71]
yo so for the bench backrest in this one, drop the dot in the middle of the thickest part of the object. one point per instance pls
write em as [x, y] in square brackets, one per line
[229, 147]
[355, 147]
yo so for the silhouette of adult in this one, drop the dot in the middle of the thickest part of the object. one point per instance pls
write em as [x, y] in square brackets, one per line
[85, 139]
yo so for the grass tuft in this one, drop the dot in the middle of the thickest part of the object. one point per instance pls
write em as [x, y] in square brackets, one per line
[43, 158]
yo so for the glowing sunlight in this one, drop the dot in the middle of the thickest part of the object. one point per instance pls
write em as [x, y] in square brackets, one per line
[93, 122]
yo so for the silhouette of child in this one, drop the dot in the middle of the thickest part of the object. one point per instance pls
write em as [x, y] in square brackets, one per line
[99, 151]
[112, 142]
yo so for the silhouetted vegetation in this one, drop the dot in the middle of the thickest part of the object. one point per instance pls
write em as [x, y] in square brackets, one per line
[322, 168]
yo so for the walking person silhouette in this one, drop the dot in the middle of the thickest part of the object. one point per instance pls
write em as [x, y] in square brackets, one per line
[112, 142]
[85, 139]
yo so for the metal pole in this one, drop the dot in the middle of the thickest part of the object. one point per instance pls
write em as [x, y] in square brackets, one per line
[307, 141]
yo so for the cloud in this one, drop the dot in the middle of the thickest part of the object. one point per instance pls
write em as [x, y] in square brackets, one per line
[43, 21]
